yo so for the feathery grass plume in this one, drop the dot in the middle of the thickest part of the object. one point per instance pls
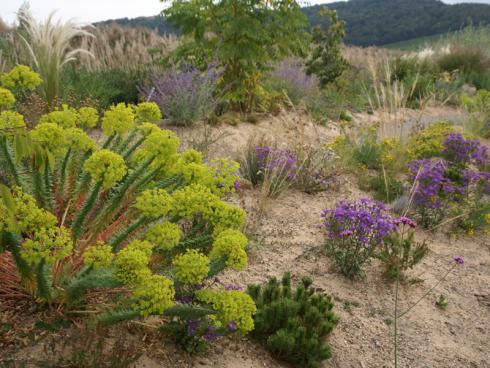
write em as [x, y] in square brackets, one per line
[49, 45]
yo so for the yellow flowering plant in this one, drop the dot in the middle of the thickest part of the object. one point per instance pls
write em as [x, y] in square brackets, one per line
[77, 215]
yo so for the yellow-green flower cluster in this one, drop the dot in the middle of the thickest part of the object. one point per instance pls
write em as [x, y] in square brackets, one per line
[192, 200]
[192, 267]
[48, 244]
[118, 119]
[11, 122]
[20, 77]
[154, 295]
[67, 117]
[155, 203]
[141, 245]
[28, 218]
[98, 256]
[232, 306]
[131, 266]
[430, 141]
[225, 175]
[79, 140]
[88, 117]
[161, 146]
[226, 216]
[147, 128]
[105, 166]
[147, 112]
[165, 235]
[231, 244]
[51, 136]
[387, 146]
[7, 99]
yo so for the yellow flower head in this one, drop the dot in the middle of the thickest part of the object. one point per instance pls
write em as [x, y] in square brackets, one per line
[79, 140]
[232, 306]
[48, 244]
[21, 77]
[105, 166]
[51, 136]
[165, 235]
[155, 203]
[231, 244]
[148, 112]
[161, 146]
[131, 266]
[154, 295]
[98, 256]
[118, 119]
[142, 245]
[65, 118]
[192, 267]
[88, 117]
[11, 123]
[193, 200]
[7, 99]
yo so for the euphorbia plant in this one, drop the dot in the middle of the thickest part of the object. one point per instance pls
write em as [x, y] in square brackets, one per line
[131, 213]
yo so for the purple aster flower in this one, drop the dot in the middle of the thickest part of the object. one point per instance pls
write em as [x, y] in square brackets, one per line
[193, 326]
[233, 287]
[459, 260]
[236, 185]
[231, 326]
[210, 334]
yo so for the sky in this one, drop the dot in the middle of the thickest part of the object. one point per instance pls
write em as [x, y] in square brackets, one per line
[87, 11]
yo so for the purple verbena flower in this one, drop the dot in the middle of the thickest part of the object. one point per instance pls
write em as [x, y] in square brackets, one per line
[405, 221]
[231, 326]
[459, 260]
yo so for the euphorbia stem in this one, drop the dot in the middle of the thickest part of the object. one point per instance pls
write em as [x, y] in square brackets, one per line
[89, 202]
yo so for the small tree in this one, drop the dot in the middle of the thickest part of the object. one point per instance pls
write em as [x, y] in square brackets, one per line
[241, 37]
[326, 60]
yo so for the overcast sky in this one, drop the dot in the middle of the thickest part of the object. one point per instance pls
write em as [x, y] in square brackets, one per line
[96, 10]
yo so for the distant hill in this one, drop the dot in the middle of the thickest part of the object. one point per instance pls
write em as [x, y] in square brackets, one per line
[376, 22]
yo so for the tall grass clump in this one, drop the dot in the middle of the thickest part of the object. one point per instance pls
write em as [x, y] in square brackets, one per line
[49, 46]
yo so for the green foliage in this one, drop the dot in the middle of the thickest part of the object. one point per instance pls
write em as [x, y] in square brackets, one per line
[326, 60]
[479, 108]
[246, 38]
[401, 252]
[134, 186]
[384, 188]
[293, 324]
[429, 142]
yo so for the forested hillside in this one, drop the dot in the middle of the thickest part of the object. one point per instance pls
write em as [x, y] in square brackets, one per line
[377, 22]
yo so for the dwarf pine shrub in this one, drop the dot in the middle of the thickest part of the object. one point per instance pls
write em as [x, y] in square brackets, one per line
[293, 324]
[132, 213]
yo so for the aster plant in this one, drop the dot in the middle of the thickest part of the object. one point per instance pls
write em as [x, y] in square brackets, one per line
[132, 216]
[355, 230]
[457, 182]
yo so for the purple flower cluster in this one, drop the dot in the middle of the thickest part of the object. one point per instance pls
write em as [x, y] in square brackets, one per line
[431, 182]
[459, 150]
[281, 160]
[459, 260]
[209, 334]
[184, 96]
[297, 82]
[365, 222]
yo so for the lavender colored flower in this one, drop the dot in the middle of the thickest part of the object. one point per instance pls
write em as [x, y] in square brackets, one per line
[405, 221]
[281, 160]
[233, 287]
[290, 76]
[193, 327]
[463, 151]
[184, 96]
[366, 222]
[236, 185]
[459, 260]
[210, 334]
[231, 326]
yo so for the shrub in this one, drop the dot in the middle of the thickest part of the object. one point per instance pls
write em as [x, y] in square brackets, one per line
[400, 251]
[479, 109]
[293, 324]
[455, 184]
[429, 142]
[354, 232]
[243, 46]
[326, 60]
[184, 96]
[73, 216]
[315, 169]
[289, 76]
[278, 167]
[49, 46]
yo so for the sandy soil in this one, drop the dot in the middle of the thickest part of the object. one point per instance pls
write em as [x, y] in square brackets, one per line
[287, 237]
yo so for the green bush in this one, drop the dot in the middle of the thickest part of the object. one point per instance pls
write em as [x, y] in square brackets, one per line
[291, 323]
